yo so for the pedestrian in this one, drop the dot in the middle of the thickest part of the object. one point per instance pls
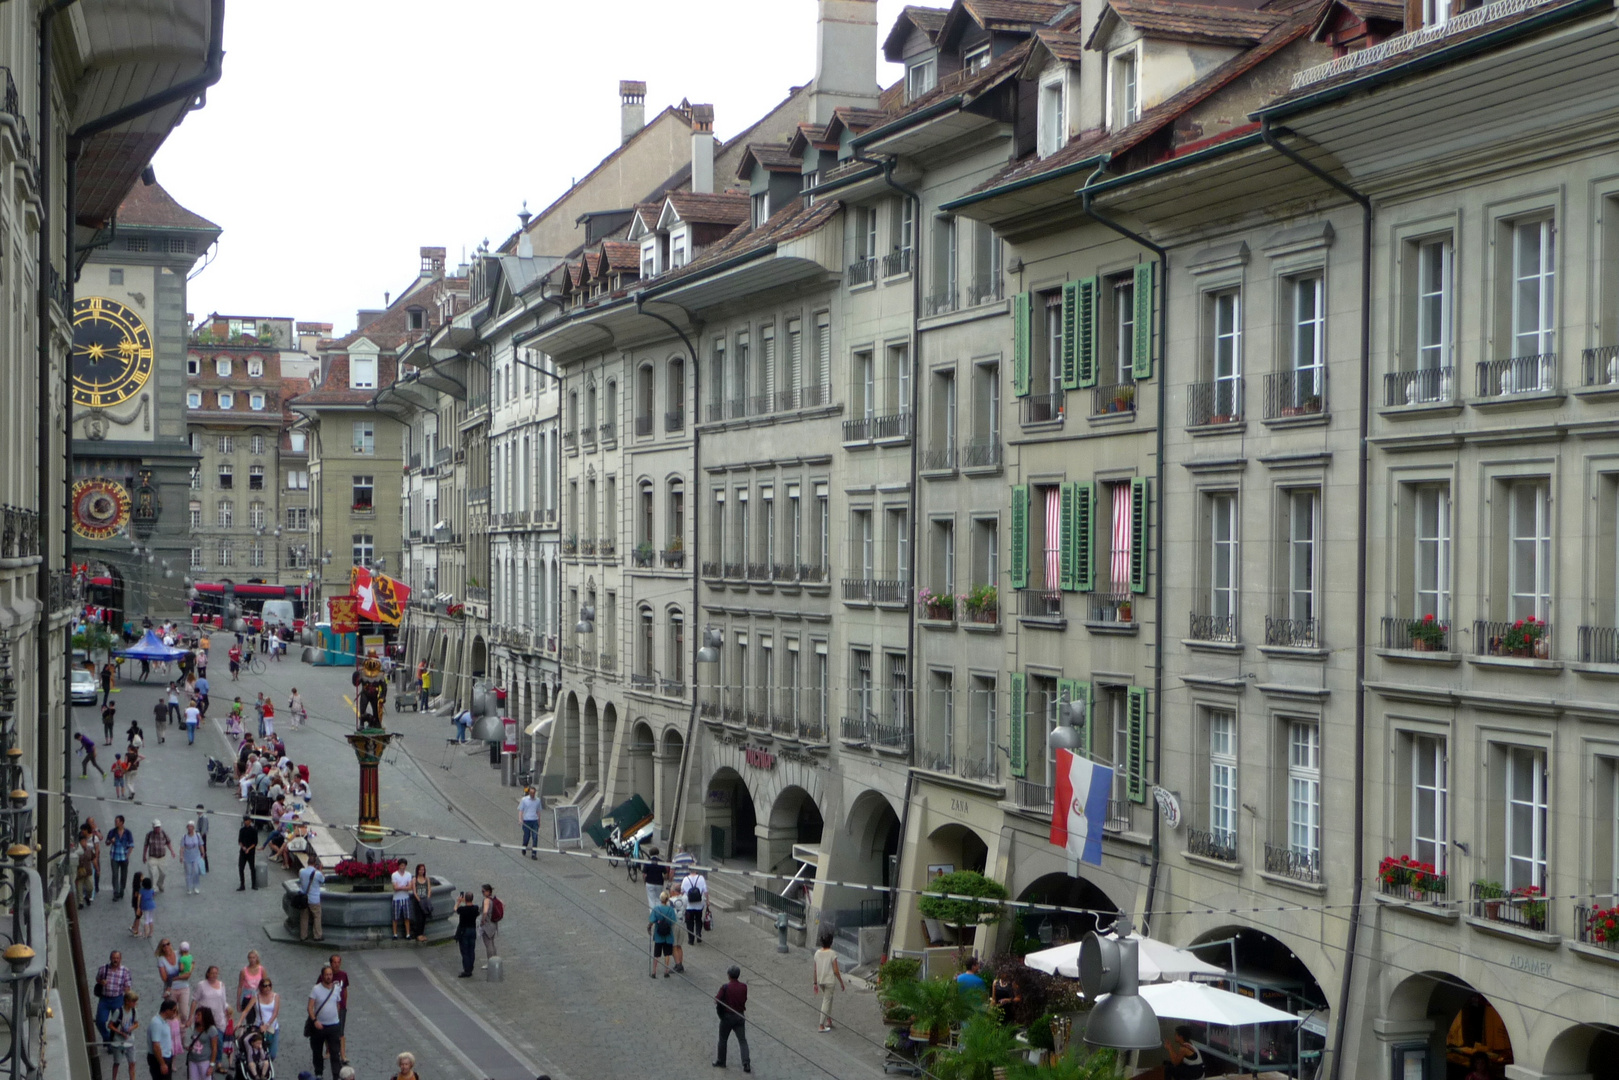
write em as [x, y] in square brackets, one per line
[107, 672]
[677, 900]
[340, 978]
[119, 842]
[682, 863]
[466, 932]
[463, 725]
[155, 853]
[168, 970]
[212, 992]
[182, 979]
[970, 980]
[121, 1025]
[87, 747]
[325, 1027]
[202, 831]
[235, 655]
[247, 844]
[1185, 1062]
[406, 1063]
[191, 855]
[263, 1014]
[173, 703]
[193, 718]
[489, 918]
[732, 1005]
[694, 887]
[146, 904]
[655, 874]
[109, 717]
[203, 1048]
[528, 814]
[95, 844]
[160, 716]
[310, 879]
[201, 686]
[826, 979]
[248, 979]
[421, 907]
[425, 693]
[295, 708]
[267, 719]
[402, 881]
[113, 982]
[660, 923]
[258, 708]
[146, 668]
[84, 879]
[160, 1041]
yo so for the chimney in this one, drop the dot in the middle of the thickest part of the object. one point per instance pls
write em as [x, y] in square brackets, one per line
[845, 57]
[702, 149]
[432, 262]
[632, 109]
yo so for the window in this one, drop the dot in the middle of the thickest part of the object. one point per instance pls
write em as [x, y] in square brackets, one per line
[1309, 327]
[1530, 537]
[648, 533]
[788, 397]
[1433, 315]
[761, 214]
[897, 549]
[1435, 12]
[363, 491]
[943, 559]
[196, 517]
[920, 78]
[365, 437]
[193, 366]
[255, 401]
[362, 372]
[945, 265]
[226, 475]
[297, 518]
[986, 417]
[227, 444]
[364, 549]
[1431, 548]
[823, 360]
[902, 226]
[677, 514]
[766, 384]
[1045, 363]
[255, 514]
[677, 249]
[793, 530]
[862, 553]
[647, 659]
[1223, 558]
[255, 444]
[976, 59]
[865, 233]
[255, 367]
[986, 555]
[1533, 276]
[985, 714]
[941, 421]
[898, 382]
[1303, 509]
[864, 385]
[196, 562]
[1222, 729]
[1525, 825]
[222, 367]
[739, 374]
[416, 318]
[823, 526]
[227, 399]
[767, 526]
[227, 553]
[898, 690]
[1053, 119]
[861, 709]
[986, 286]
[1304, 791]
[255, 553]
[297, 479]
[1126, 99]
[677, 648]
[115, 276]
[255, 477]
[1429, 838]
[1226, 350]
[193, 399]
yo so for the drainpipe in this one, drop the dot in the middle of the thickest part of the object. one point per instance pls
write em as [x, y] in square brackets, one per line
[1268, 134]
[687, 749]
[911, 525]
[1088, 201]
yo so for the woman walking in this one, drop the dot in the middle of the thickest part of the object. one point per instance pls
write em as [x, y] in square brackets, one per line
[489, 916]
[168, 970]
[202, 1050]
[295, 708]
[247, 982]
[828, 979]
[421, 892]
[211, 993]
[466, 933]
[407, 1066]
[191, 852]
[263, 1014]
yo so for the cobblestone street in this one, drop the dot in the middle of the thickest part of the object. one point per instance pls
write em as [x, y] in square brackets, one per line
[576, 1001]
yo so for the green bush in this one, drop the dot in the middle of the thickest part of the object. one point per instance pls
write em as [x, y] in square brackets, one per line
[984, 1046]
[936, 1005]
[933, 904]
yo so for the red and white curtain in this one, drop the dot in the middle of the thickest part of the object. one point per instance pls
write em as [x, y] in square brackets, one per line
[1120, 562]
[1053, 538]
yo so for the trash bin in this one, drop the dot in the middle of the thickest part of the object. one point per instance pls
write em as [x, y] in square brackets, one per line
[494, 754]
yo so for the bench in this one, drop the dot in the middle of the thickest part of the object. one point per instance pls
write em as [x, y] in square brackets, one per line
[321, 840]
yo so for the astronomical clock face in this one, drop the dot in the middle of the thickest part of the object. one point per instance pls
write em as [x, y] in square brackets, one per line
[112, 352]
[100, 508]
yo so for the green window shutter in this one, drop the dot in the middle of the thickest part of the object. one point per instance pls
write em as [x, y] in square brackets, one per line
[1140, 515]
[1070, 335]
[1135, 753]
[1016, 748]
[1085, 343]
[1022, 319]
[1020, 536]
[1141, 347]
[1070, 496]
[1080, 551]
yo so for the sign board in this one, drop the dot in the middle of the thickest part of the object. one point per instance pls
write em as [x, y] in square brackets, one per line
[508, 735]
[565, 820]
[344, 612]
[373, 644]
[1168, 806]
[758, 757]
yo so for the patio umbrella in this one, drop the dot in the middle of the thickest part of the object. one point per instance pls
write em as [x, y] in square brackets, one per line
[1209, 1004]
[1156, 960]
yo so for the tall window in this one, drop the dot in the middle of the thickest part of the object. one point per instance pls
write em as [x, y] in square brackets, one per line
[195, 561]
[256, 444]
[899, 378]
[1053, 118]
[823, 526]
[860, 687]
[365, 437]
[945, 280]
[1303, 508]
[222, 367]
[1124, 330]
[823, 358]
[227, 444]
[1428, 796]
[362, 372]
[255, 477]
[1223, 555]
[920, 78]
[863, 542]
[1309, 339]
[1304, 790]
[1432, 571]
[1529, 567]
[1533, 277]
[767, 525]
[196, 517]
[1222, 728]
[255, 514]
[1433, 304]
[363, 490]
[1125, 89]
[1525, 831]
[794, 529]
[363, 549]
[224, 514]
[897, 528]
[787, 397]
[1227, 353]
[227, 553]
[865, 384]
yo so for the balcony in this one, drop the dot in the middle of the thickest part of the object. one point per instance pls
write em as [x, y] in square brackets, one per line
[1120, 816]
[1525, 908]
[736, 571]
[607, 662]
[1217, 845]
[1594, 926]
[985, 290]
[1114, 399]
[1602, 367]
[736, 408]
[1293, 394]
[478, 494]
[1293, 633]
[710, 568]
[857, 589]
[1428, 386]
[1528, 639]
[708, 710]
[871, 733]
[415, 461]
[894, 426]
[942, 302]
[985, 616]
[443, 455]
[756, 721]
[570, 546]
[570, 440]
[1221, 628]
[1535, 374]
[784, 573]
[1412, 883]
[812, 731]
[759, 571]
[731, 714]
[672, 560]
[981, 453]
[587, 436]
[1211, 404]
[940, 460]
[644, 683]
[1416, 635]
[857, 431]
[1033, 796]
[1041, 603]
[896, 263]
[787, 400]
[672, 688]
[643, 557]
[587, 548]
[891, 592]
[983, 770]
[608, 431]
[1044, 408]
[862, 272]
[1599, 645]
[674, 420]
[936, 607]
[570, 654]
[815, 573]
[1112, 602]
[785, 726]
[1288, 862]
[714, 412]
[813, 397]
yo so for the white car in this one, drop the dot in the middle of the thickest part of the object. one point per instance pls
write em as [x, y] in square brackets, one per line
[84, 687]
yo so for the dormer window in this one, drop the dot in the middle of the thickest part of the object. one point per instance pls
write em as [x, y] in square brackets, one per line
[255, 368]
[362, 373]
[677, 249]
[920, 77]
[1053, 116]
[194, 399]
[1436, 12]
[1123, 89]
[227, 399]
[976, 59]
[649, 257]
[761, 208]
[416, 318]
[222, 367]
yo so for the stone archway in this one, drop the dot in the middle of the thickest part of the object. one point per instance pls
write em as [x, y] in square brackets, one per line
[480, 659]
[666, 765]
[1436, 1021]
[571, 735]
[612, 764]
[863, 851]
[730, 819]
[643, 771]
[1065, 891]
[794, 819]
[1584, 1050]
[590, 744]
[1271, 970]
[957, 846]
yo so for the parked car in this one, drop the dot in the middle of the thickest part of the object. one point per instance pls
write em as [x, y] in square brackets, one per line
[84, 687]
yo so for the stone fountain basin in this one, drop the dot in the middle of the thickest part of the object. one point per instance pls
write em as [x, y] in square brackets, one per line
[360, 916]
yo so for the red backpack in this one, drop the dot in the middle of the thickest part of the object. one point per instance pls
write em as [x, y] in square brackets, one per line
[497, 910]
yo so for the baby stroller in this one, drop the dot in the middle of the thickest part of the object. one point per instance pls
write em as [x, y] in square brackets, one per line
[247, 1065]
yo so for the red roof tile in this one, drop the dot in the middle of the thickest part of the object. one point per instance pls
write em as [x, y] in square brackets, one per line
[1180, 21]
[706, 209]
[150, 205]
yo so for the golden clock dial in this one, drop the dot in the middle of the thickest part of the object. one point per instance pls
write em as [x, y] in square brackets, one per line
[112, 352]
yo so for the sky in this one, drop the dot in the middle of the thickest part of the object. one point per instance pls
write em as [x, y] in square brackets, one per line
[346, 134]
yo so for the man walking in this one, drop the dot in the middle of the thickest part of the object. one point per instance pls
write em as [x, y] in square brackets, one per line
[326, 1022]
[87, 746]
[173, 702]
[119, 842]
[694, 887]
[113, 981]
[155, 853]
[310, 879]
[106, 681]
[247, 845]
[732, 1003]
[160, 1042]
[656, 875]
[528, 812]
[340, 979]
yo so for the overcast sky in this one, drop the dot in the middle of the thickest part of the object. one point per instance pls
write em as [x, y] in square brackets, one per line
[346, 134]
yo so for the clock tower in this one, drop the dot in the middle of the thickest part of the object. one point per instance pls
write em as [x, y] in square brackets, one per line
[133, 464]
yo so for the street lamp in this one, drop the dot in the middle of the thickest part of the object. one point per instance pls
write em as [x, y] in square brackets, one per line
[587, 619]
[713, 641]
[1123, 1020]
[1070, 722]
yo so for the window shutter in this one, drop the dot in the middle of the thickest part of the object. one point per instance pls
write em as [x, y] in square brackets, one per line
[1022, 317]
[1140, 515]
[1135, 753]
[1070, 335]
[1085, 342]
[1080, 553]
[1020, 536]
[1070, 496]
[1141, 358]
[1016, 750]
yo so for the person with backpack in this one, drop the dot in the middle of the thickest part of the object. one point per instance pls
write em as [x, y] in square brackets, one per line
[466, 932]
[660, 923]
[694, 887]
[489, 918]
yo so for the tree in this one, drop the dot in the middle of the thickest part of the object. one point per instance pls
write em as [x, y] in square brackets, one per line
[935, 904]
[985, 1045]
[936, 1005]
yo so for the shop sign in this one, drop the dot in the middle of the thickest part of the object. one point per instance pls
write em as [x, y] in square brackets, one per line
[758, 757]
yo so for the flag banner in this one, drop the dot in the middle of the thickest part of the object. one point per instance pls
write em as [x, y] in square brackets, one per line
[1079, 806]
[381, 598]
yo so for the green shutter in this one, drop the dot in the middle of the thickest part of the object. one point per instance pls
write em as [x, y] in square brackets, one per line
[1016, 749]
[1135, 753]
[1141, 347]
[1020, 536]
[1070, 335]
[1085, 345]
[1080, 550]
[1022, 320]
[1140, 506]
[1070, 496]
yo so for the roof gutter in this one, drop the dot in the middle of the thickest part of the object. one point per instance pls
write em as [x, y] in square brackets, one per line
[1027, 182]
[653, 291]
[865, 138]
[1185, 161]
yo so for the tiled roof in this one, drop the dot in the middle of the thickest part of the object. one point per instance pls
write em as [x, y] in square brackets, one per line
[773, 156]
[1012, 14]
[969, 86]
[793, 221]
[334, 384]
[151, 206]
[705, 209]
[1067, 47]
[621, 255]
[927, 20]
[1180, 21]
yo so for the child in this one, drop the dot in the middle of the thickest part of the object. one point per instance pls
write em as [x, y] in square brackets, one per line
[141, 884]
[119, 772]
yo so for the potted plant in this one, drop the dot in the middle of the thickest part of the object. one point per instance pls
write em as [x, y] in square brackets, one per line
[1492, 895]
[1312, 404]
[1525, 637]
[938, 606]
[643, 553]
[1126, 611]
[1124, 398]
[982, 1051]
[1530, 900]
[1428, 634]
[980, 603]
[890, 974]
[1603, 925]
[979, 901]
[935, 1006]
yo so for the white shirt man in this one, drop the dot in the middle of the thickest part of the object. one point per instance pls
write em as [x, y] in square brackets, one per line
[402, 882]
[694, 908]
[528, 813]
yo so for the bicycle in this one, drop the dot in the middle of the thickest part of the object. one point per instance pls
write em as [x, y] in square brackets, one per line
[251, 662]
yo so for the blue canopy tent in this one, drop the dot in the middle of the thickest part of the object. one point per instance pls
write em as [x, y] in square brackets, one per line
[151, 647]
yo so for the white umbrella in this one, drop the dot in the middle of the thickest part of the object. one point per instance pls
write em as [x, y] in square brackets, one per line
[1156, 960]
[1209, 1004]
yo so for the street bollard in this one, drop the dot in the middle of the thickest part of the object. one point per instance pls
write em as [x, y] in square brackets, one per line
[495, 972]
[781, 931]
